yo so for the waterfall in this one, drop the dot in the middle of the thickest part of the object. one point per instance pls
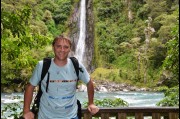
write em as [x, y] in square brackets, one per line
[80, 48]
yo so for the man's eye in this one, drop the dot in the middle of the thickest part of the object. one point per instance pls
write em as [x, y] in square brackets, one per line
[66, 47]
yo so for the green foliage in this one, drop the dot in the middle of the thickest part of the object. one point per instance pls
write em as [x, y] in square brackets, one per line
[102, 74]
[108, 48]
[109, 9]
[12, 109]
[16, 21]
[156, 7]
[52, 28]
[39, 27]
[135, 5]
[143, 12]
[48, 5]
[63, 11]
[47, 16]
[162, 89]
[171, 62]
[127, 67]
[165, 23]
[17, 56]
[118, 102]
[137, 29]
[17, 43]
[126, 60]
[157, 53]
[171, 97]
[114, 34]
[26, 30]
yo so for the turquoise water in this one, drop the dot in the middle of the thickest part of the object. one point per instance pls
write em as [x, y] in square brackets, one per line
[133, 98]
[136, 99]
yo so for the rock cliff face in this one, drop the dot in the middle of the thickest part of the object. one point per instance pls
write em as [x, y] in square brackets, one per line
[74, 31]
[89, 35]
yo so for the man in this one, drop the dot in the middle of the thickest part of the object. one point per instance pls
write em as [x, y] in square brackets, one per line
[60, 101]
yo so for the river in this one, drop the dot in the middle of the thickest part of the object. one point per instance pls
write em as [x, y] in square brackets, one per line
[134, 98]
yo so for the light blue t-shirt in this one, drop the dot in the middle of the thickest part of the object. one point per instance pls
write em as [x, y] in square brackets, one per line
[60, 101]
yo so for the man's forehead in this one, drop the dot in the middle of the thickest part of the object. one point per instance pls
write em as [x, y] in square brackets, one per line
[62, 41]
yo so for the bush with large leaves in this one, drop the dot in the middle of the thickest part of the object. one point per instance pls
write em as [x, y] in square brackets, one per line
[171, 63]
[18, 46]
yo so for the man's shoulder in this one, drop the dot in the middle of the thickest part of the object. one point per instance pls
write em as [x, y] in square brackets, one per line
[45, 60]
[40, 62]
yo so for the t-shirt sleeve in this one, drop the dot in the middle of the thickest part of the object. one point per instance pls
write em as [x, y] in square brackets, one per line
[84, 76]
[36, 76]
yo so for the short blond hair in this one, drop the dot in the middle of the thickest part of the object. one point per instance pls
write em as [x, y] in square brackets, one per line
[61, 37]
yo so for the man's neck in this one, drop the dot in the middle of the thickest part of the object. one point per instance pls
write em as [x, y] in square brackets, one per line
[60, 62]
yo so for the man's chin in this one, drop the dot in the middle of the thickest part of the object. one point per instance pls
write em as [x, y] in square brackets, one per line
[62, 58]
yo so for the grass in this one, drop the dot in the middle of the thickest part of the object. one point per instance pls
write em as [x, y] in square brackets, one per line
[121, 76]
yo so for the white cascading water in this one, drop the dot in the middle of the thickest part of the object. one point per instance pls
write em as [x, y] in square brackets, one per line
[80, 47]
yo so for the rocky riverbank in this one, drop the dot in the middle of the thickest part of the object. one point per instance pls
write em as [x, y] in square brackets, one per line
[103, 86]
[106, 86]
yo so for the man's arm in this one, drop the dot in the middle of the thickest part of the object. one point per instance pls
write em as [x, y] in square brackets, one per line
[90, 89]
[91, 107]
[28, 95]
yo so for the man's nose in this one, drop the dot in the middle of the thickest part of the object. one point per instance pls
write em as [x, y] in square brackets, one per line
[63, 48]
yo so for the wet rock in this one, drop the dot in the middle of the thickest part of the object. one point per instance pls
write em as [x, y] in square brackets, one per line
[7, 90]
[18, 89]
[82, 88]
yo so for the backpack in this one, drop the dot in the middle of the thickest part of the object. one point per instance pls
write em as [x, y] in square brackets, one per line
[45, 68]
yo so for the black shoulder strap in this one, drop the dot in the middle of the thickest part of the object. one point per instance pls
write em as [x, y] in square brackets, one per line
[46, 65]
[45, 68]
[76, 66]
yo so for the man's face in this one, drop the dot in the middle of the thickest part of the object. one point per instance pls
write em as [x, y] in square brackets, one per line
[61, 49]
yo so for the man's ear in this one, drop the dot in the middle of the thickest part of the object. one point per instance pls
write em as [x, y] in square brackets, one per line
[52, 48]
